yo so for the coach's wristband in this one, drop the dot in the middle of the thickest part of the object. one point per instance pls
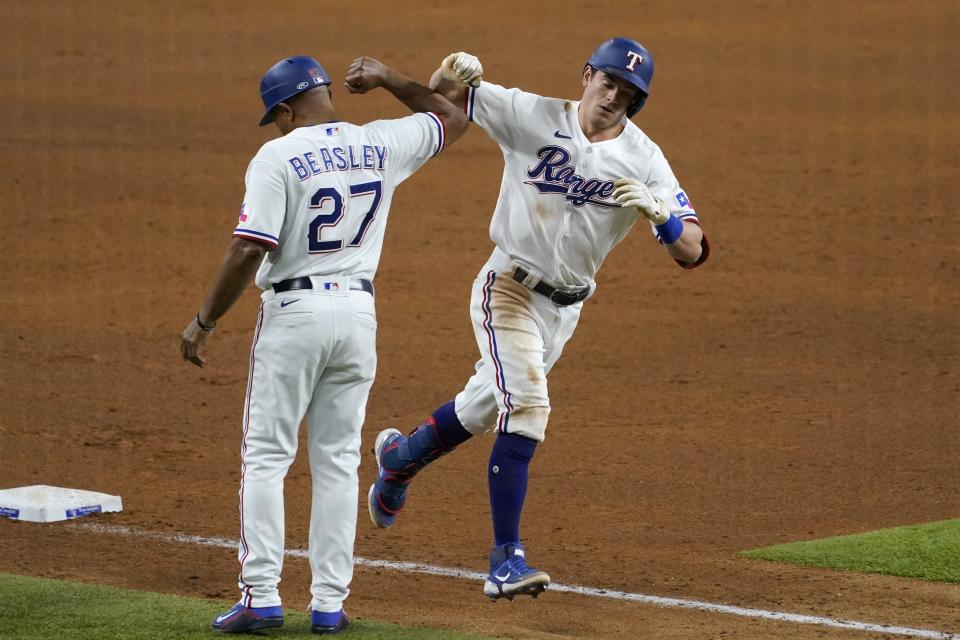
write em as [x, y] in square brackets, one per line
[670, 230]
[206, 327]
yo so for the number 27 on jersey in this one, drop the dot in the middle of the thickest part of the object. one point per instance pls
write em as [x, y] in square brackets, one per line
[327, 196]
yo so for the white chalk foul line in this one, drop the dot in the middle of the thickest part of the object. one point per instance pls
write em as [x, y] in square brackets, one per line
[677, 603]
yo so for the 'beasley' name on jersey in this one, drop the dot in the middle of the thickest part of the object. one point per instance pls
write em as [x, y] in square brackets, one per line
[343, 158]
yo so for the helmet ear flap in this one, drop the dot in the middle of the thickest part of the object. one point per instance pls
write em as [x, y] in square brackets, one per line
[637, 104]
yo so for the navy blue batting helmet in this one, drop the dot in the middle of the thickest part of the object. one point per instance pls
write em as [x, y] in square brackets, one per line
[627, 59]
[289, 77]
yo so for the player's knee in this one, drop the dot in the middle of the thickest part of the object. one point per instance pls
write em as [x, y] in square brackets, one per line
[530, 422]
[477, 415]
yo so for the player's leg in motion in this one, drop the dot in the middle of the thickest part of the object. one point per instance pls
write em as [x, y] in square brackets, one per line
[508, 391]
[521, 336]
[400, 458]
[510, 325]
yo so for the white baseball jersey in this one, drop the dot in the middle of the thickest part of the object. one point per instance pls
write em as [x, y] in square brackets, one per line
[555, 213]
[320, 195]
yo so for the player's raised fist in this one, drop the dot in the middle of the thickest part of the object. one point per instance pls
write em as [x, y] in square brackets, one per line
[462, 67]
[364, 75]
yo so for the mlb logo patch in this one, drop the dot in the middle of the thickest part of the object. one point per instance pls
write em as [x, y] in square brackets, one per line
[331, 286]
[683, 200]
[244, 212]
[333, 131]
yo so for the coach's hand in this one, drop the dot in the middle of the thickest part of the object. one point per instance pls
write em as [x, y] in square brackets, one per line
[365, 74]
[193, 337]
[633, 193]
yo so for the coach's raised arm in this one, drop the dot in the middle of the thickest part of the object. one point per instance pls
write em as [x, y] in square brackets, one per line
[366, 74]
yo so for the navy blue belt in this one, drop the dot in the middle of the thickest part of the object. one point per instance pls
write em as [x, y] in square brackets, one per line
[304, 282]
[557, 297]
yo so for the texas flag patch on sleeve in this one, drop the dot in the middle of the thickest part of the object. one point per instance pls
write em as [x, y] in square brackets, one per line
[683, 200]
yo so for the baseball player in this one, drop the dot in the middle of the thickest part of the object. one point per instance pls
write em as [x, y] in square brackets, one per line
[311, 228]
[576, 177]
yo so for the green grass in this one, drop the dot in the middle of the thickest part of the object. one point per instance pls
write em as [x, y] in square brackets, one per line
[41, 609]
[925, 551]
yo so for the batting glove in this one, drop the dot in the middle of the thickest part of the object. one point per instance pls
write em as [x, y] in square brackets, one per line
[463, 67]
[633, 193]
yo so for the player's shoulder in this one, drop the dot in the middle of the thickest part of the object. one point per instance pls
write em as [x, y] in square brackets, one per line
[637, 137]
[516, 94]
[273, 150]
[639, 142]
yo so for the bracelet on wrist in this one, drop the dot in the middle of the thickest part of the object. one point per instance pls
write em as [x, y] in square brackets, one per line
[206, 327]
[670, 230]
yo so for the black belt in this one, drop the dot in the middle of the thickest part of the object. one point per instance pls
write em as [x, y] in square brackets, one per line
[557, 297]
[304, 282]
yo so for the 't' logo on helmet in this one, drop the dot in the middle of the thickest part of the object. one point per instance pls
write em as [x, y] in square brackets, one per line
[634, 58]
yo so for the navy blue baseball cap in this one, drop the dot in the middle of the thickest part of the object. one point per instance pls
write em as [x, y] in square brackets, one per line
[289, 77]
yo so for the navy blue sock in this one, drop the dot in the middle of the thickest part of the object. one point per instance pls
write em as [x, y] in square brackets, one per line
[440, 434]
[507, 480]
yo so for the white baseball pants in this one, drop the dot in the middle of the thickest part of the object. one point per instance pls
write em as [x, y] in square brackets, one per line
[313, 354]
[521, 335]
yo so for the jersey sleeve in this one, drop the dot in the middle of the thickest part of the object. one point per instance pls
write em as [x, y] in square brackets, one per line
[664, 185]
[410, 141]
[264, 204]
[499, 111]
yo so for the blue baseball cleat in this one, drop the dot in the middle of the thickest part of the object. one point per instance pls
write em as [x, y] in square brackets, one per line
[241, 619]
[510, 576]
[327, 623]
[382, 515]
